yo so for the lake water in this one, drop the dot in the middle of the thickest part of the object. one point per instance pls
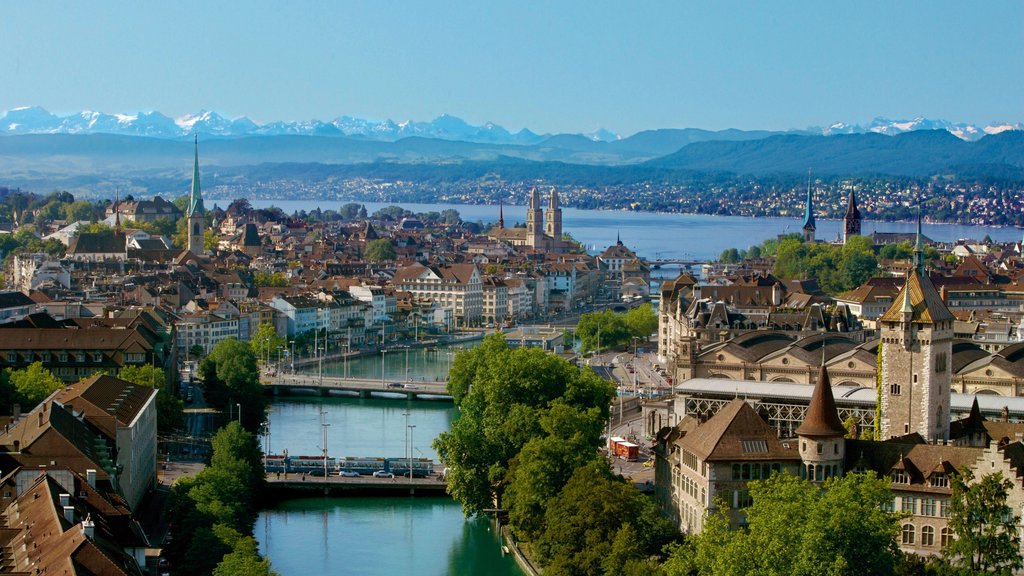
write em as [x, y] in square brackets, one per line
[662, 236]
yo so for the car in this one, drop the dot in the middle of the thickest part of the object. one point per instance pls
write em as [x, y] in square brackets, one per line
[411, 387]
[383, 474]
[348, 474]
[394, 385]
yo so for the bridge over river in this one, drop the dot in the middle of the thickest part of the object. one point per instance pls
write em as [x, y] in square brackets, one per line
[283, 485]
[307, 384]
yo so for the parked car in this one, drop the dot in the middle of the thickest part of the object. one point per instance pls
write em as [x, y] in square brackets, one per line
[348, 474]
[383, 474]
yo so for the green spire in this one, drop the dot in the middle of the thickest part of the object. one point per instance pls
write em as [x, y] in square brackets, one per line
[195, 201]
[809, 207]
[919, 246]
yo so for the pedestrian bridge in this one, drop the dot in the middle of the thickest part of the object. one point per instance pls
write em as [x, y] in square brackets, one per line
[313, 385]
[283, 485]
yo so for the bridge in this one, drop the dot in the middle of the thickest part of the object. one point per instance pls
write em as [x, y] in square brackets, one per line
[283, 485]
[660, 263]
[311, 384]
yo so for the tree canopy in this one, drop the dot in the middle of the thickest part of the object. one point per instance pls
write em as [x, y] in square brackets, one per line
[32, 384]
[231, 376]
[602, 329]
[379, 250]
[264, 341]
[508, 397]
[797, 528]
[984, 525]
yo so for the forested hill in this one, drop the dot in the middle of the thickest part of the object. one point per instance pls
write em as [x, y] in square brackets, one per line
[913, 154]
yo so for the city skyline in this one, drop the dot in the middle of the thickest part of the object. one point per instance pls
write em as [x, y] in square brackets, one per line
[570, 68]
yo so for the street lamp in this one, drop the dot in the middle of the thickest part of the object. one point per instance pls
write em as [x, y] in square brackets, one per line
[239, 406]
[324, 424]
[412, 428]
[382, 353]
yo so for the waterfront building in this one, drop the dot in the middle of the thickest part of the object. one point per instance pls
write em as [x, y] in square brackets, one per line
[458, 287]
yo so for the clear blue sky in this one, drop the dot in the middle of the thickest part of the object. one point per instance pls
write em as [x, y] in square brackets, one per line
[551, 66]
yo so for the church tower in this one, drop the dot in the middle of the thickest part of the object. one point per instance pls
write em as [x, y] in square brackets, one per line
[553, 219]
[534, 223]
[851, 221]
[822, 443]
[501, 215]
[808, 229]
[916, 361]
[196, 224]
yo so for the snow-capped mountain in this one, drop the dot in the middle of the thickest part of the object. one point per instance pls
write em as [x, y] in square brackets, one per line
[889, 127]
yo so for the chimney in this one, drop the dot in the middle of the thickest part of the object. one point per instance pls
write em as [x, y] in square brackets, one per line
[69, 514]
[89, 528]
[65, 500]
[90, 477]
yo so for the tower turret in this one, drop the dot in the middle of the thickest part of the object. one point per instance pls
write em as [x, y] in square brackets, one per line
[553, 218]
[534, 223]
[822, 443]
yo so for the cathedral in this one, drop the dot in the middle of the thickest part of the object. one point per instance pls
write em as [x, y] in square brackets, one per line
[543, 230]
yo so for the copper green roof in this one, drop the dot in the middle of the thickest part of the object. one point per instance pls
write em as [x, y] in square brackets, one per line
[195, 201]
[919, 297]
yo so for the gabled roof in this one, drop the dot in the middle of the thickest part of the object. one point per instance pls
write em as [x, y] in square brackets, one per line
[106, 402]
[736, 432]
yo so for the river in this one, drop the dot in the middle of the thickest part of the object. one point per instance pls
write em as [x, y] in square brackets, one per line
[663, 236]
[424, 535]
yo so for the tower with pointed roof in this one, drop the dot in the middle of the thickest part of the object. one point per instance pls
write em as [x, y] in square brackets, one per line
[808, 228]
[822, 434]
[534, 222]
[196, 211]
[916, 362]
[501, 215]
[852, 219]
[553, 218]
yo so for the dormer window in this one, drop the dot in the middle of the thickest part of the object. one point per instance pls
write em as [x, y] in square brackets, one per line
[900, 477]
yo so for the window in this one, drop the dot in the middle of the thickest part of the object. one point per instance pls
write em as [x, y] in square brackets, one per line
[820, 448]
[12, 357]
[899, 477]
[80, 357]
[894, 389]
[946, 537]
[927, 509]
[944, 508]
[939, 480]
[927, 536]
[908, 533]
[909, 505]
[940, 367]
[743, 499]
[735, 471]
[97, 356]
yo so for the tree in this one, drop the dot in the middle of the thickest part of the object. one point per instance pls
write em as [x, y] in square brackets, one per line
[244, 558]
[391, 213]
[450, 216]
[272, 279]
[599, 524]
[984, 526]
[33, 383]
[795, 527]
[642, 321]
[379, 250]
[169, 408]
[607, 326]
[231, 376]
[264, 341]
[729, 256]
[504, 395]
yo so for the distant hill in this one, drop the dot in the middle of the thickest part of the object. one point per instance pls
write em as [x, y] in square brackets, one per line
[919, 153]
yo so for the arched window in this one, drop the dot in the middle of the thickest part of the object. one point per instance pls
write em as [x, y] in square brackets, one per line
[946, 537]
[908, 533]
[927, 536]
[818, 473]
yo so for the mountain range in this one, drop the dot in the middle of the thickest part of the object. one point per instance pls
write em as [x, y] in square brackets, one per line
[37, 120]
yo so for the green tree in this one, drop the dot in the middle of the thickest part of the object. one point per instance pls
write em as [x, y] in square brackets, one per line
[503, 396]
[450, 216]
[33, 384]
[244, 559]
[169, 409]
[80, 210]
[900, 251]
[729, 256]
[607, 326]
[642, 321]
[599, 524]
[273, 279]
[984, 526]
[379, 250]
[231, 376]
[265, 341]
[796, 528]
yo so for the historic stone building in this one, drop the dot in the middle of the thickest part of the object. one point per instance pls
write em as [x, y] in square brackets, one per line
[543, 230]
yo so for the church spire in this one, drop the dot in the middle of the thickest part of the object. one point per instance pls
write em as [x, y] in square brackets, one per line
[809, 226]
[501, 215]
[195, 201]
[117, 212]
[919, 246]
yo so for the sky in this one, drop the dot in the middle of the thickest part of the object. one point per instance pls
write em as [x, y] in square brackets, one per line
[565, 66]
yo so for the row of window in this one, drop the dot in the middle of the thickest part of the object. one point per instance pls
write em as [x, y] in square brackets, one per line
[927, 536]
[909, 505]
[755, 471]
[63, 356]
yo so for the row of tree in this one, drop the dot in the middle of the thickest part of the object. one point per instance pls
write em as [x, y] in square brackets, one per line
[212, 513]
[608, 329]
[231, 378]
[526, 444]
